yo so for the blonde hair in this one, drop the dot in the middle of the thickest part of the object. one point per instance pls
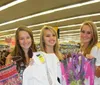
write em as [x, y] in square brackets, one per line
[56, 46]
[94, 39]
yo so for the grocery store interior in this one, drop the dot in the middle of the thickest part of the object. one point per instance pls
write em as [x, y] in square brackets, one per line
[65, 15]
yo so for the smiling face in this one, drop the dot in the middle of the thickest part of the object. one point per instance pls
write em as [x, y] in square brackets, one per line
[86, 34]
[25, 40]
[49, 38]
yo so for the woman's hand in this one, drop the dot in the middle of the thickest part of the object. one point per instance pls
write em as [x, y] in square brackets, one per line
[31, 61]
[89, 56]
[97, 72]
[8, 60]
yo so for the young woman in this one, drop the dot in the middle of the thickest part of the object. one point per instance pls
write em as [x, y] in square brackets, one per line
[49, 41]
[43, 71]
[89, 39]
[49, 45]
[23, 49]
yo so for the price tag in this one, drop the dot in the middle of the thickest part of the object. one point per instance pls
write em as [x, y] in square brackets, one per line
[41, 58]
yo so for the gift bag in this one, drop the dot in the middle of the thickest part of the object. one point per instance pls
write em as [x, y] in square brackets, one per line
[89, 69]
[63, 73]
[9, 75]
[78, 70]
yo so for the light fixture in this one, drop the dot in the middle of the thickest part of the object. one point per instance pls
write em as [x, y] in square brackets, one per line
[7, 35]
[51, 11]
[70, 34]
[58, 27]
[8, 30]
[11, 4]
[51, 22]
[70, 31]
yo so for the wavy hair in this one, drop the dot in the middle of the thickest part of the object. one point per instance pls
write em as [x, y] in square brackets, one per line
[94, 39]
[18, 51]
[56, 46]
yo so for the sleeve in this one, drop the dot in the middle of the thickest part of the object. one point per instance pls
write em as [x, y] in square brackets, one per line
[27, 75]
[96, 53]
[59, 75]
[51, 62]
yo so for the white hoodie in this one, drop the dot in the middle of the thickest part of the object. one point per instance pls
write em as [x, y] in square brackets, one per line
[36, 74]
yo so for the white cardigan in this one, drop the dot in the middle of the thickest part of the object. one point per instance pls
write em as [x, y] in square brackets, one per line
[36, 74]
[96, 53]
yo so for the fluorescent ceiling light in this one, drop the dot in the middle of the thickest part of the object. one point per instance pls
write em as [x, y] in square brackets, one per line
[75, 25]
[7, 35]
[58, 27]
[75, 30]
[51, 11]
[51, 22]
[8, 30]
[70, 34]
[36, 35]
[36, 31]
[76, 36]
[62, 20]
[11, 4]
[70, 31]
[14, 29]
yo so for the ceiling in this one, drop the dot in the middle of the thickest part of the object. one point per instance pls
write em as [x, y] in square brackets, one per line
[67, 15]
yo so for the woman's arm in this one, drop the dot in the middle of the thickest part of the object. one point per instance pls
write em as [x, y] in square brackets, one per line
[97, 73]
[8, 59]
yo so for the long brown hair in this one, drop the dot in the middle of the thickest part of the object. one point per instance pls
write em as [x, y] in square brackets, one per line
[94, 39]
[18, 51]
